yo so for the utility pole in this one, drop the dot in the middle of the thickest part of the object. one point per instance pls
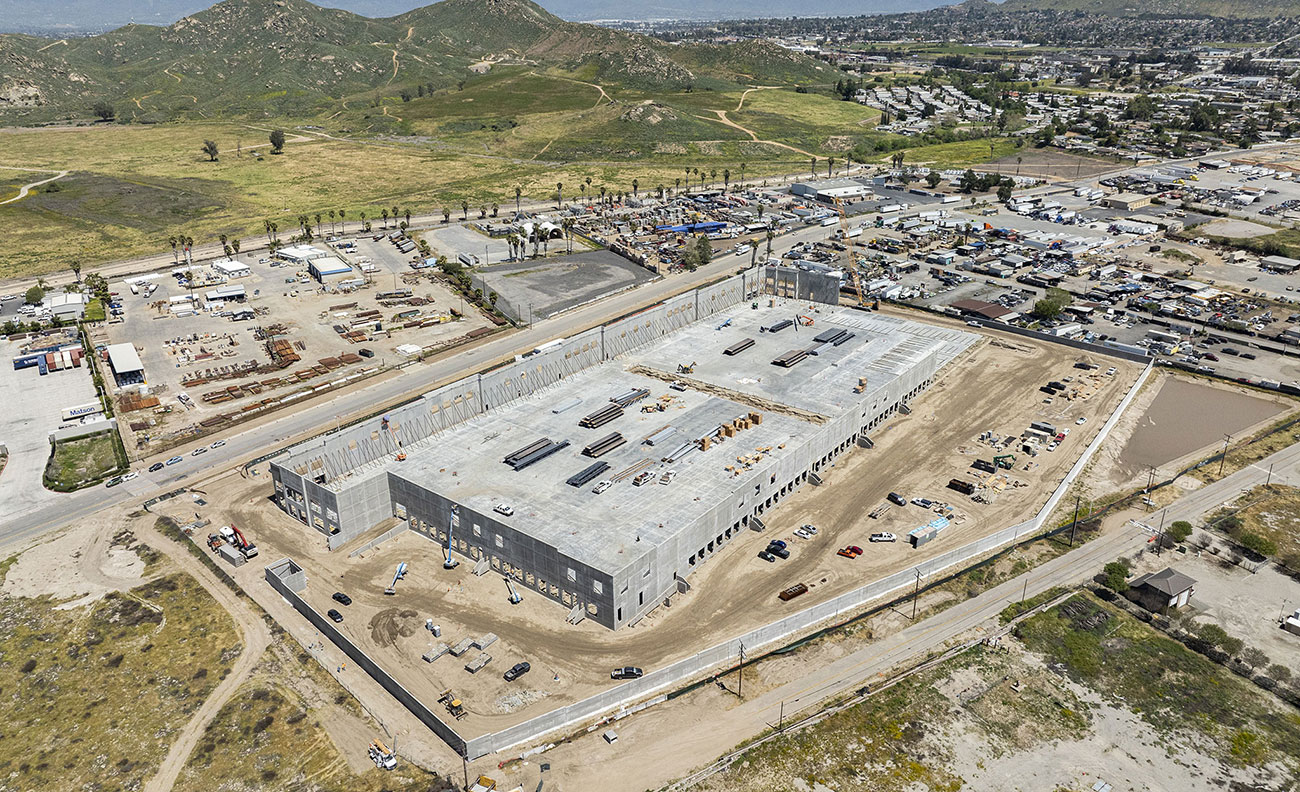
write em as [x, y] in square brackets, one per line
[740, 683]
[916, 592]
[1025, 591]
[1226, 439]
[465, 765]
[1151, 479]
[1160, 541]
[1075, 525]
[1269, 477]
[780, 721]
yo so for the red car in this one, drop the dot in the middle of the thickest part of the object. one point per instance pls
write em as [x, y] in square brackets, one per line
[852, 551]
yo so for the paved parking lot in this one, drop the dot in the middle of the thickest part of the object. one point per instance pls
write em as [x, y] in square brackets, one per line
[33, 409]
[451, 240]
[536, 289]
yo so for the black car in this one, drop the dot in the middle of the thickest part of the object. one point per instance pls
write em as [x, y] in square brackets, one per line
[155, 467]
[517, 670]
[766, 556]
[342, 599]
[626, 672]
[779, 552]
[334, 615]
[897, 499]
[1248, 355]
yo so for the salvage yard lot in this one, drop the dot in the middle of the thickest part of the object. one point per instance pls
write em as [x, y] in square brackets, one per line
[915, 455]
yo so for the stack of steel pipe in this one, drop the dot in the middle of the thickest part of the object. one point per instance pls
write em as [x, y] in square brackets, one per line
[791, 358]
[778, 326]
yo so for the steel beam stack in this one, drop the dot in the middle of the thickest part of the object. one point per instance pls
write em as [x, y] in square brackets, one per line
[604, 445]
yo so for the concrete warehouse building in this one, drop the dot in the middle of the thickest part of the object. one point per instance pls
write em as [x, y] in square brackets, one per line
[502, 465]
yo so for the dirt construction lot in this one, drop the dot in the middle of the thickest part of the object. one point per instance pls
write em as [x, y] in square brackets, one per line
[993, 388]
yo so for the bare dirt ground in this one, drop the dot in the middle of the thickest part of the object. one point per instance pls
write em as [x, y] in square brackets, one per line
[79, 565]
[1230, 227]
[993, 388]
[1051, 164]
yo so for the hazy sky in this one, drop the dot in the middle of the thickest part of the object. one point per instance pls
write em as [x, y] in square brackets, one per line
[79, 15]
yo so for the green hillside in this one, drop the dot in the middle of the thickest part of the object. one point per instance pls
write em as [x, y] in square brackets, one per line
[266, 58]
[1164, 8]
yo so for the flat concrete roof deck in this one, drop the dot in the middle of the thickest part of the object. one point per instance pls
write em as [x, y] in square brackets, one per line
[610, 530]
[883, 347]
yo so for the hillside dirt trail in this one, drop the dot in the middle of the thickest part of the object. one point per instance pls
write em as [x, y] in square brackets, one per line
[747, 92]
[604, 97]
[256, 638]
[722, 119]
[27, 188]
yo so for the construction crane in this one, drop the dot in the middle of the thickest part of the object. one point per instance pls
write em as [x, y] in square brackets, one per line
[397, 444]
[854, 273]
[401, 573]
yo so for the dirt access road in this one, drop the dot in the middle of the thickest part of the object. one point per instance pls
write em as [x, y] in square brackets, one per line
[722, 119]
[256, 638]
[27, 188]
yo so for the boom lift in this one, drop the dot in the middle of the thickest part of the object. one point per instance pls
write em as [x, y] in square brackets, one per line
[401, 573]
[448, 562]
[397, 444]
[515, 599]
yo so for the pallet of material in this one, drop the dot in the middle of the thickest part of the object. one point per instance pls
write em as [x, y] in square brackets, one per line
[212, 421]
[601, 416]
[485, 641]
[738, 347]
[330, 363]
[348, 358]
[604, 445]
[478, 332]
[343, 307]
[587, 474]
[477, 664]
[778, 326]
[791, 358]
[659, 435]
[434, 653]
[462, 647]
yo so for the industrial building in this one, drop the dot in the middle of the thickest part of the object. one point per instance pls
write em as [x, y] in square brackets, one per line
[328, 268]
[702, 413]
[126, 365]
[832, 190]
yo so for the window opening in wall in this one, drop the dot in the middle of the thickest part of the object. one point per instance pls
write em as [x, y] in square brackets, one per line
[572, 575]
[597, 587]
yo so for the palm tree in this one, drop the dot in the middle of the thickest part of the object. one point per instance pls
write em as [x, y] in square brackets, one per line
[814, 167]
[333, 214]
[234, 244]
[408, 217]
[830, 166]
[363, 220]
[318, 224]
[275, 231]
[1018, 161]
[495, 208]
[660, 189]
[635, 185]
[770, 236]
[588, 182]
[266, 223]
[385, 213]
[582, 188]
[396, 214]
[742, 173]
[75, 266]
[677, 183]
[482, 211]
[176, 256]
[464, 209]
[446, 215]
[559, 194]
[713, 175]
[687, 171]
[602, 195]
[518, 191]
[726, 178]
